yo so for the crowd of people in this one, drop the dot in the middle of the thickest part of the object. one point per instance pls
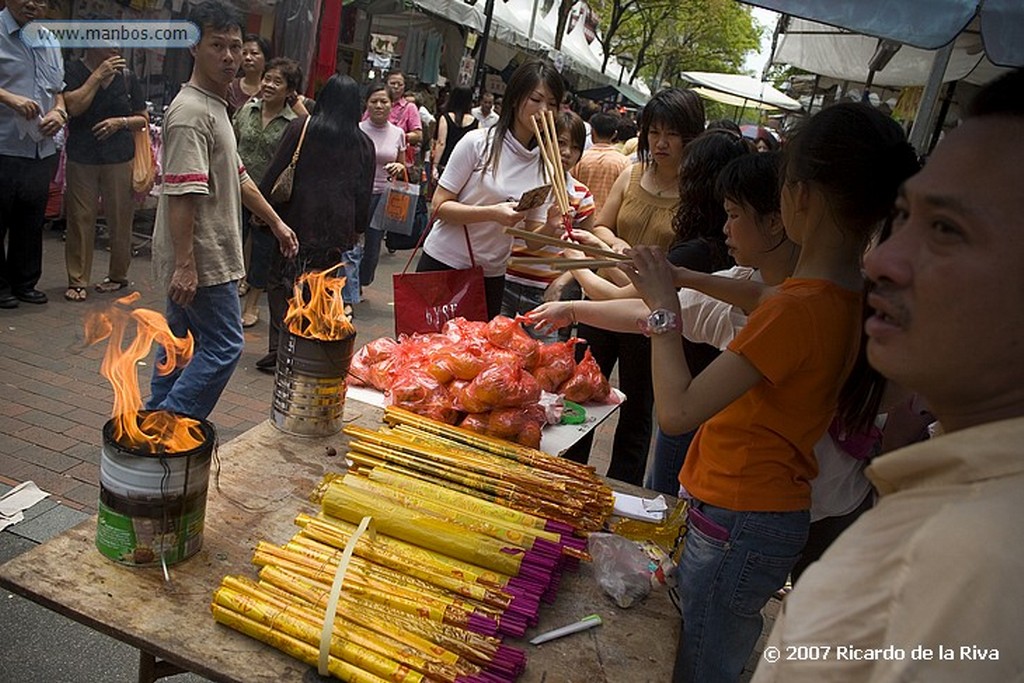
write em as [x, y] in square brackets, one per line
[795, 323]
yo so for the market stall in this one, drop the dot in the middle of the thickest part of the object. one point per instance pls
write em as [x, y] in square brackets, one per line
[262, 482]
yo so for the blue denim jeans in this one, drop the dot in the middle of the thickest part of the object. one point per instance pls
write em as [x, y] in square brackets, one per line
[371, 248]
[518, 299]
[669, 454]
[724, 584]
[352, 258]
[215, 320]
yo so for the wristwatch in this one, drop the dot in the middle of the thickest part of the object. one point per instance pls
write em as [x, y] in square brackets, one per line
[660, 321]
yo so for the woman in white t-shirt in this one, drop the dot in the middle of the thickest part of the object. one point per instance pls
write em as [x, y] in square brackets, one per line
[487, 173]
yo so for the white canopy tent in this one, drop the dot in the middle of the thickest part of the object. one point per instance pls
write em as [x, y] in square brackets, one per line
[740, 90]
[840, 54]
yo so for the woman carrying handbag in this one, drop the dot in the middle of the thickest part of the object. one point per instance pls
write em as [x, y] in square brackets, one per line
[329, 211]
[486, 174]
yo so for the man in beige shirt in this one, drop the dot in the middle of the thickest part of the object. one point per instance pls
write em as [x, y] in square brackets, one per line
[927, 585]
[197, 239]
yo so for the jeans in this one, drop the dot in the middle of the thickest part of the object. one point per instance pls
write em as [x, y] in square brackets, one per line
[371, 248]
[215, 320]
[669, 454]
[724, 584]
[519, 298]
[352, 259]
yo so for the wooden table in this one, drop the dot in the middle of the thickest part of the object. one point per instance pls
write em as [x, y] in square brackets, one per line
[264, 480]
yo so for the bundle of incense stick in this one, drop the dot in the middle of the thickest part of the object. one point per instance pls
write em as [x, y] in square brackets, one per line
[472, 534]
[555, 241]
[547, 141]
[560, 263]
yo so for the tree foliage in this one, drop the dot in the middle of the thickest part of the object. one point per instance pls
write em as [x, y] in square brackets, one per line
[666, 37]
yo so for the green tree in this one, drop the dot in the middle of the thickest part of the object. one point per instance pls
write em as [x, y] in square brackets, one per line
[666, 37]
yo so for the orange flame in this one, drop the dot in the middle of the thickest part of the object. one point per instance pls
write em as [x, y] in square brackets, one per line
[160, 431]
[323, 315]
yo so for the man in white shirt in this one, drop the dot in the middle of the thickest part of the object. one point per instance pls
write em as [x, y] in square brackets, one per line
[926, 586]
[485, 113]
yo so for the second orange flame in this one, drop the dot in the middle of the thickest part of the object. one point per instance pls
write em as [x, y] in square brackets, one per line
[320, 314]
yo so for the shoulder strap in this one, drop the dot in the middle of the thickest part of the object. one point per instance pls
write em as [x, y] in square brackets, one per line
[298, 147]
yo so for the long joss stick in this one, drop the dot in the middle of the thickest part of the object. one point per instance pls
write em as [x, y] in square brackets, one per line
[530, 461]
[562, 261]
[346, 503]
[583, 520]
[489, 485]
[291, 622]
[577, 264]
[420, 655]
[356, 590]
[544, 154]
[476, 647]
[414, 601]
[292, 646]
[519, 535]
[563, 196]
[337, 538]
[532, 456]
[450, 466]
[474, 505]
[557, 242]
[336, 532]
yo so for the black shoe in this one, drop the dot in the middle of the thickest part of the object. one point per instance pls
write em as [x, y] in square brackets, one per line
[32, 296]
[268, 362]
[8, 301]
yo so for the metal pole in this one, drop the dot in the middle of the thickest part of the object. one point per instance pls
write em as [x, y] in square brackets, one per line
[926, 111]
[482, 53]
[533, 18]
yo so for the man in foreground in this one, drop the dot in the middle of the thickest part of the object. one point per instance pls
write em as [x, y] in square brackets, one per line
[926, 586]
[197, 240]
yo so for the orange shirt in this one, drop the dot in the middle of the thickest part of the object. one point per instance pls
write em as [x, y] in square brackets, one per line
[598, 169]
[757, 453]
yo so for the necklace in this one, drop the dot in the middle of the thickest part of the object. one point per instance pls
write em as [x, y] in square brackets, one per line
[658, 188]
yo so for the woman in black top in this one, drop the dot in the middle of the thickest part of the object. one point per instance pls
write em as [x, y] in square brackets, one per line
[328, 211]
[454, 124]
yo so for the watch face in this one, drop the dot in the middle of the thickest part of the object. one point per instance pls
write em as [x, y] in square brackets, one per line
[661, 321]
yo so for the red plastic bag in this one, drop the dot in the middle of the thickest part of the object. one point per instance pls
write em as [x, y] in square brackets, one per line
[359, 373]
[522, 425]
[414, 389]
[555, 364]
[498, 386]
[508, 334]
[587, 384]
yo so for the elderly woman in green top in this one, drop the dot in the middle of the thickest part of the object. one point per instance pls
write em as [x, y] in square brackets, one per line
[258, 127]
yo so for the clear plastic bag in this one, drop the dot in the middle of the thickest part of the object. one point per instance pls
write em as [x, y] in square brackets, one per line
[622, 568]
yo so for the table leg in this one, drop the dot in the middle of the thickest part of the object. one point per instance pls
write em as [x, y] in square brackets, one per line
[151, 669]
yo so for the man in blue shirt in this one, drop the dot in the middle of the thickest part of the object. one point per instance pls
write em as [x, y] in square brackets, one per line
[31, 113]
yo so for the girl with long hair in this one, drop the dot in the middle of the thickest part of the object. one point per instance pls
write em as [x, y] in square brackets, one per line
[329, 211]
[487, 172]
[453, 125]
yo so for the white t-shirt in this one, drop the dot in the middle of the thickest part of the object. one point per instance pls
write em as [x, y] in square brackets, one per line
[485, 121]
[519, 170]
